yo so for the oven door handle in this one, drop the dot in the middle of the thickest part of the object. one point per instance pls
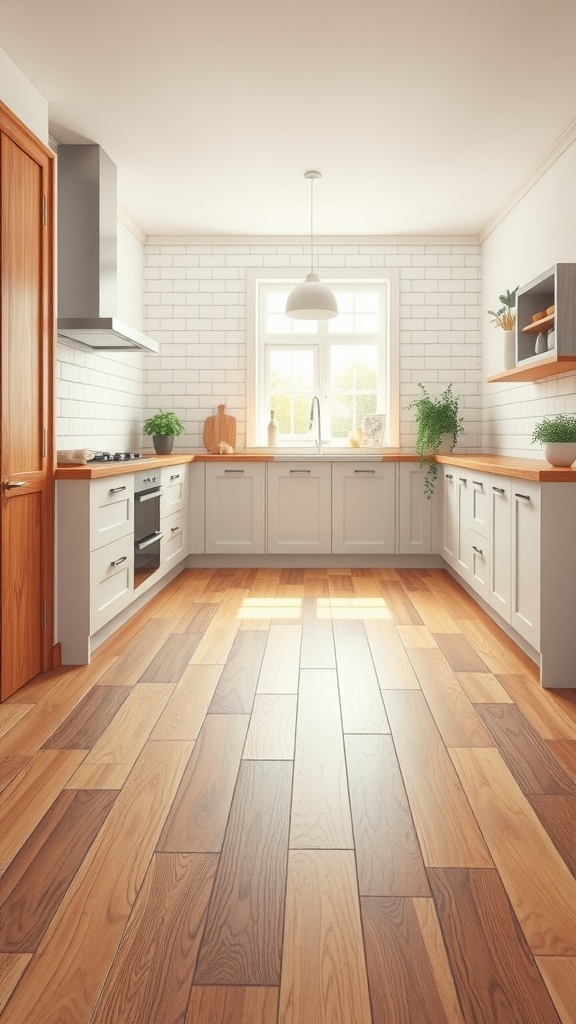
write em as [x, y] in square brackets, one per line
[140, 544]
[148, 496]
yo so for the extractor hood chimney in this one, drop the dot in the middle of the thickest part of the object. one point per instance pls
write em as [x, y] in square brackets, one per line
[87, 253]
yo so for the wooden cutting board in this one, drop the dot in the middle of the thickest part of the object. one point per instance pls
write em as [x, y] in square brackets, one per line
[219, 428]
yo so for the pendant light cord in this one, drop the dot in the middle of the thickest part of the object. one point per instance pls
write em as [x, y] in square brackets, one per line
[311, 225]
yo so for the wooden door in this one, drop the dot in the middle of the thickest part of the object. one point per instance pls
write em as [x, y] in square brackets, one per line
[26, 464]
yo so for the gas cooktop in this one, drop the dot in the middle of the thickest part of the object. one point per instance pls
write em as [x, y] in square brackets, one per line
[115, 457]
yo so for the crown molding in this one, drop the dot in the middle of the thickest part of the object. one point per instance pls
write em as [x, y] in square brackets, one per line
[277, 240]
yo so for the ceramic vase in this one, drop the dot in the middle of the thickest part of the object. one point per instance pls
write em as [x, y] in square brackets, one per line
[509, 349]
[163, 444]
[560, 453]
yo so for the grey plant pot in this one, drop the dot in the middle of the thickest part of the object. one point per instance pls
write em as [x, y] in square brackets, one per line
[163, 444]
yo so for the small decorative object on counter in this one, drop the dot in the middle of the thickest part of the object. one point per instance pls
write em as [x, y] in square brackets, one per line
[435, 418]
[355, 437]
[163, 427]
[505, 318]
[373, 430]
[225, 448]
[558, 435]
[273, 427]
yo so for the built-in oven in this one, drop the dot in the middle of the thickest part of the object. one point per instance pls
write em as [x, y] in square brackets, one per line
[147, 533]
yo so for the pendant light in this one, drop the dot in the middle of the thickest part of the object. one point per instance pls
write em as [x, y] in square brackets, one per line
[311, 300]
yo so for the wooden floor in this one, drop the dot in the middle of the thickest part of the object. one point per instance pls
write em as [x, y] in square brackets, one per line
[291, 797]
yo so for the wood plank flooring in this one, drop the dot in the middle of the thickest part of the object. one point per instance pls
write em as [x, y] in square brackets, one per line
[291, 797]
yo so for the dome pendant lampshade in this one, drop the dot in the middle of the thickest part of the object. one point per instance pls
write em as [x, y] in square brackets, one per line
[311, 300]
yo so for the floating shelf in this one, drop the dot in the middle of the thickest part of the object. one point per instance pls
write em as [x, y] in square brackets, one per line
[549, 364]
[538, 325]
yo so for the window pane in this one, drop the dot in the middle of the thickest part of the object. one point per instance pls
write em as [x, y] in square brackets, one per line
[342, 415]
[276, 300]
[353, 386]
[365, 406]
[366, 323]
[291, 375]
[276, 320]
[367, 302]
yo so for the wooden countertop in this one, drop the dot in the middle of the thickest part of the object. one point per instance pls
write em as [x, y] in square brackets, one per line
[501, 465]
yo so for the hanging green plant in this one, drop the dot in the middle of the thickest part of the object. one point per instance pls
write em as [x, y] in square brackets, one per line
[438, 422]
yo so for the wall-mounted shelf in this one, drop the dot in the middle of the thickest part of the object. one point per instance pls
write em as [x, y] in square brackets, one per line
[555, 287]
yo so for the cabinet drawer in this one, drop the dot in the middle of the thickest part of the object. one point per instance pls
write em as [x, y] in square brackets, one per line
[111, 581]
[174, 489]
[111, 509]
[173, 546]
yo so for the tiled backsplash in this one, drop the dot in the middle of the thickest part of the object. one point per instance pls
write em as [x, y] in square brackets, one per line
[99, 399]
[195, 306]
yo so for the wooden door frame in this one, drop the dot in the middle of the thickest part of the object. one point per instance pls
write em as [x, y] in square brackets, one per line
[15, 129]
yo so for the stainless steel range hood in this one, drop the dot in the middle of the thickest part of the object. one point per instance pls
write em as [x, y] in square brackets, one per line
[88, 252]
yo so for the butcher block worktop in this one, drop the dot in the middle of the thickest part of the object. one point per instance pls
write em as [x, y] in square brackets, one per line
[502, 465]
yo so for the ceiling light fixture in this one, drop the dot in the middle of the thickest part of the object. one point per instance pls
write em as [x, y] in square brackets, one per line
[311, 300]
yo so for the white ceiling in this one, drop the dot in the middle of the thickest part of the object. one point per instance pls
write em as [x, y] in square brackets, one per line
[423, 118]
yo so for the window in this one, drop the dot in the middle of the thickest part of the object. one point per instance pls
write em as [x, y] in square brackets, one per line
[349, 362]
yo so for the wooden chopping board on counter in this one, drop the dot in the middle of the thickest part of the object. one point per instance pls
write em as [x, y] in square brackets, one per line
[219, 428]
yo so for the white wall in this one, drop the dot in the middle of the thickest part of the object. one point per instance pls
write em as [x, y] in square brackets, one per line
[537, 233]
[23, 99]
[195, 306]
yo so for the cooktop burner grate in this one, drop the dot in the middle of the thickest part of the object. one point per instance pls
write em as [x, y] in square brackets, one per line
[116, 456]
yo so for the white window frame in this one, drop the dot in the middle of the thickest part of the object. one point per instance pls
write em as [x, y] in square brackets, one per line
[255, 377]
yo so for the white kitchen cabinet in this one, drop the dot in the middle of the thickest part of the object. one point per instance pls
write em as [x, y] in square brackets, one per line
[479, 564]
[479, 492]
[525, 537]
[450, 516]
[299, 507]
[174, 543]
[196, 507]
[235, 508]
[415, 511]
[463, 508]
[500, 578]
[363, 508]
[95, 558]
[174, 498]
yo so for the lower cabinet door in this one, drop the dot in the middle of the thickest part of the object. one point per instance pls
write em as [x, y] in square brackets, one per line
[299, 508]
[234, 508]
[479, 564]
[449, 516]
[173, 546]
[525, 602]
[363, 508]
[414, 510]
[111, 581]
[500, 536]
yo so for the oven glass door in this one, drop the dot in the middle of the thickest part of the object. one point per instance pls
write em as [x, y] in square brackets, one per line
[147, 534]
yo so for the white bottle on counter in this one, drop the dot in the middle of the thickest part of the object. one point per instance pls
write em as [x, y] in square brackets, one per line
[272, 431]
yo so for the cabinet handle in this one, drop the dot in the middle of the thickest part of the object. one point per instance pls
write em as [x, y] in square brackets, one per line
[478, 483]
[116, 490]
[449, 476]
[463, 479]
[149, 496]
[175, 476]
[499, 490]
[477, 550]
[15, 483]
[119, 561]
[234, 471]
[525, 497]
[174, 529]
[300, 470]
[141, 544]
[370, 471]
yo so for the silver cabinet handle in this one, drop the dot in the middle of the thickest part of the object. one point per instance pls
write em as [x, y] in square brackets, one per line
[463, 479]
[234, 471]
[119, 561]
[175, 476]
[525, 497]
[141, 544]
[174, 529]
[478, 483]
[477, 550]
[116, 490]
[499, 490]
[300, 470]
[370, 471]
[449, 476]
[14, 483]
[147, 497]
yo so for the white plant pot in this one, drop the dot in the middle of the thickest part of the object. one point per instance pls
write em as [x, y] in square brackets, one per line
[560, 453]
[446, 445]
[509, 349]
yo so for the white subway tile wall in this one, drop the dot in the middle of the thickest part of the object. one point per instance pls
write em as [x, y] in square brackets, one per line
[195, 306]
[510, 412]
[99, 399]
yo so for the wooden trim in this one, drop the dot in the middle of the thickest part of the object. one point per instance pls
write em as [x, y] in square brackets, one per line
[56, 655]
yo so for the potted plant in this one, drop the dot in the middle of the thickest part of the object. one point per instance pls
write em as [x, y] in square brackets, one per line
[439, 425]
[505, 318]
[558, 435]
[163, 427]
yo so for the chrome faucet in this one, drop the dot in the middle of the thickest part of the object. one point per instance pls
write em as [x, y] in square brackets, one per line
[316, 401]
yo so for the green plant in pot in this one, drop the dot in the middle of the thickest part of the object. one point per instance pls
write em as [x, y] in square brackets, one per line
[558, 435]
[163, 427]
[438, 427]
